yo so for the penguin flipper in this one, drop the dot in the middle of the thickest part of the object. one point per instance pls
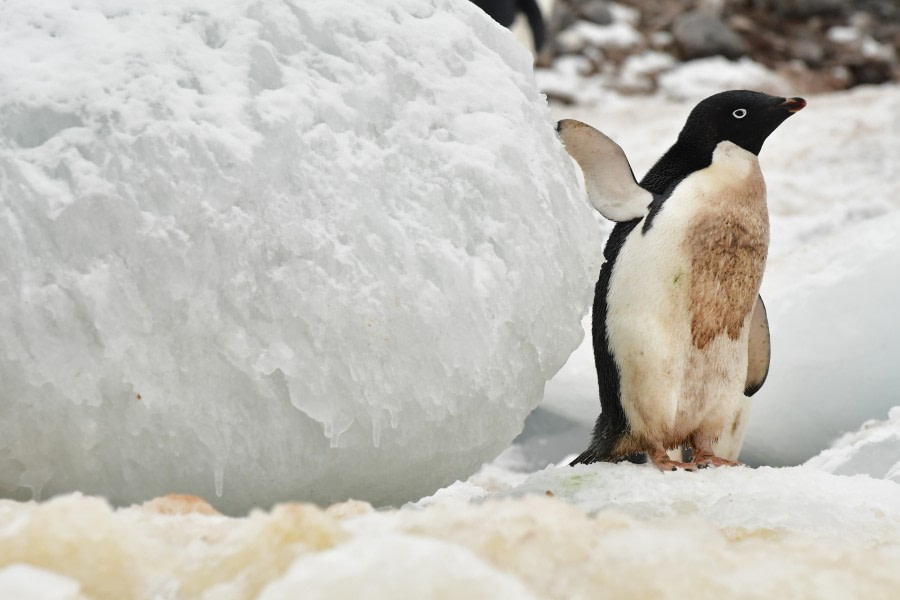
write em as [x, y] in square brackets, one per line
[608, 178]
[759, 349]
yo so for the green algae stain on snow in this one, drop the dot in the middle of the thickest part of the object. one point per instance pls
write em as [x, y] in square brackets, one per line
[570, 486]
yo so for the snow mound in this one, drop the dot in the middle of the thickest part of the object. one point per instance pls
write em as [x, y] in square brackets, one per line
[25, 582]
[428, 569]
[585, 532]
[259, 251]
[560, 551]
[874, 450]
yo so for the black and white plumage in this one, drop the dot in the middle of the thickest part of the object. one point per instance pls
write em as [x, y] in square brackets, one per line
[505, 11]
[680, 334]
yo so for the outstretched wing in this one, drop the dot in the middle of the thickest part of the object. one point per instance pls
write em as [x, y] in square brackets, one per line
[608, 178]
[759, 349]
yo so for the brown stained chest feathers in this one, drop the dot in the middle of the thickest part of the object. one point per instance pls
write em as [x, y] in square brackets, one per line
[727, 246]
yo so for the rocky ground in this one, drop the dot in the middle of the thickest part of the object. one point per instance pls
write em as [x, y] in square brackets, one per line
[819, 45]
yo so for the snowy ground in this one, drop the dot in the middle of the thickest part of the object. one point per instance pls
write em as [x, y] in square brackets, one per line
[607, 531]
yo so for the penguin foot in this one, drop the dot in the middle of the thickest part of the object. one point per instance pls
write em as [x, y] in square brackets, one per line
[708, 459]
[662, 461]
[702, 453]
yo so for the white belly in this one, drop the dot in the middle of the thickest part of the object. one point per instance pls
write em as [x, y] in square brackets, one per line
[678, 373]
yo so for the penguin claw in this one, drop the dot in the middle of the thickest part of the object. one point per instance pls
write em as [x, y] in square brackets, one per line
[711, 460]
[661, 461]
[668, 464]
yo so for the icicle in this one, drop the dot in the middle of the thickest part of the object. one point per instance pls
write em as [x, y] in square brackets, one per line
[376, 432]
[219, 476]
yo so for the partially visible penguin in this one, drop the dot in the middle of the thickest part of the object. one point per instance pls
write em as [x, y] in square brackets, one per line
[681, 339]
[504, 12]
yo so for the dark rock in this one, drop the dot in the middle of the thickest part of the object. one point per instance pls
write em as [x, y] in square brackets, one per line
[596, 11]
[803, 9]
[808, 50]
[819, 45]
[566, 12]
[561, 18]
[870, 71]
[700, 34]
[886, 11]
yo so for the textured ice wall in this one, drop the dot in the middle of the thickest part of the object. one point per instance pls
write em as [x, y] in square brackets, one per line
[257, 251]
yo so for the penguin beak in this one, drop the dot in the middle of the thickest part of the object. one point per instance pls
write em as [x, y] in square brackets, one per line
[792, 104]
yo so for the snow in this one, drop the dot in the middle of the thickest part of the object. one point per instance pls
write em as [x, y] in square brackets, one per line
[873, 450]
[603, 529]
[25, 582]
[259, 252]
[844, 34]
[646, 63]
[861, 509]
[429, 569]
[614, 35]
[837, 349]
[565, 79]
[697, 79]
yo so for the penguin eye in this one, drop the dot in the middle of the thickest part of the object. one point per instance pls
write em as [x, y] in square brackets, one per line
[739, 113]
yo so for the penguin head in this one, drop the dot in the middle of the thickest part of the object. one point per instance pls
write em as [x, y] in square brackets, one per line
[742, 117]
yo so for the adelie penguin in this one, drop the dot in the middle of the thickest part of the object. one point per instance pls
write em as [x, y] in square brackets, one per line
[681, 339]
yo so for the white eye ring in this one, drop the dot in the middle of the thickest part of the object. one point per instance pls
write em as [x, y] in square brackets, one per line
[739, 113]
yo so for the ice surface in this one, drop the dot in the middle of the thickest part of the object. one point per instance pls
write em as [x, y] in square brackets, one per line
[639, 537]
[873, 450]
[736, 499]
[257, 251]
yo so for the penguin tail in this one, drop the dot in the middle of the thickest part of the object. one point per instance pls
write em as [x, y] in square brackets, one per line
[585, 458]
[591, 456]
[608, 432]
[596, 452]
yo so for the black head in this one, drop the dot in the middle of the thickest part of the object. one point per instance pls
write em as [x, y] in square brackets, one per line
[740, 116]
